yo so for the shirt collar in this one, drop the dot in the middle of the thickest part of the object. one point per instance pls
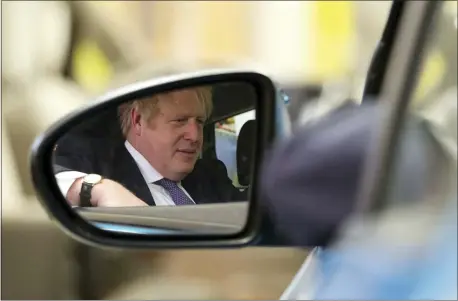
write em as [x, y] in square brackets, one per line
[150, 174]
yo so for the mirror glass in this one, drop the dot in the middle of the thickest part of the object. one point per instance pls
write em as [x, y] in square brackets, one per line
[180, 161]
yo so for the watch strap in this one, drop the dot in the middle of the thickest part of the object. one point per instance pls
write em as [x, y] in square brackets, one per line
[85, 194]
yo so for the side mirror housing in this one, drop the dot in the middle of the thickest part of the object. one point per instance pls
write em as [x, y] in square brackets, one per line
[86, 142]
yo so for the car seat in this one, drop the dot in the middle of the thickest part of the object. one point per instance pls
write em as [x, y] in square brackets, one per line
[246, 152]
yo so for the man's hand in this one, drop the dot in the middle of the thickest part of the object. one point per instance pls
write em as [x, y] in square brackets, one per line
[112, 194]
[108, 193]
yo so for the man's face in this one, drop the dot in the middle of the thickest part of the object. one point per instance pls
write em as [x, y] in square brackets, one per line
[172, 139]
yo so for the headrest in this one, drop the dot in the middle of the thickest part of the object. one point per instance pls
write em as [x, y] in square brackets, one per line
[245, 152]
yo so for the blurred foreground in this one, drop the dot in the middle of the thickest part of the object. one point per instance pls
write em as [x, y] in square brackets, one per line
[57, 55]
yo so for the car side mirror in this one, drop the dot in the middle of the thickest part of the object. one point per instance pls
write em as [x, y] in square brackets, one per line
[128, 170]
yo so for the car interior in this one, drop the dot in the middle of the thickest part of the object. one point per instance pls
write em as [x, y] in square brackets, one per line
[228, 100]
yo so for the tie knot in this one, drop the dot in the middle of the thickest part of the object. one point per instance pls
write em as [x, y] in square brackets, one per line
[166, 183]
[178, 196]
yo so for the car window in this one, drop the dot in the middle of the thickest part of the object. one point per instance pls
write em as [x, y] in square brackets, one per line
[226, 137]
[435, 94]
[438, 72]
[434, 109]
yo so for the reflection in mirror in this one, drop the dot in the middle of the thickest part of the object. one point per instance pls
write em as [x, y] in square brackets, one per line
[186, 147]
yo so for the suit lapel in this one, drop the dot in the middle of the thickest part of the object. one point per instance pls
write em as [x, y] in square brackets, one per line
[126, 172]
[198, 186]
[195, 190]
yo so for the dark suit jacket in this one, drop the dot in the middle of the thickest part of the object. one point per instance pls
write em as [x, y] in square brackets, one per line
[208, 182]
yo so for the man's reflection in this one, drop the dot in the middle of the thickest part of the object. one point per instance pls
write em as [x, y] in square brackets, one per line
[158, 162]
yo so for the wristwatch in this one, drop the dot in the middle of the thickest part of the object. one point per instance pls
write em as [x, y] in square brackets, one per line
[89, 181]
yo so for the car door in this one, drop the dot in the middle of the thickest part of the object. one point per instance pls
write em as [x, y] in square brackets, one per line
[404, 81]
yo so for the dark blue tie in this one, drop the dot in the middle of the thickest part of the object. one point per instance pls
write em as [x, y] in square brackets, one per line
[179, 197]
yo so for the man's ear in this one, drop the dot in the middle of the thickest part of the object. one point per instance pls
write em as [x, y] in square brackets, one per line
[136, 122]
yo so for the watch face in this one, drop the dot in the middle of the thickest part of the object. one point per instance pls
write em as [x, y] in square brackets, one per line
[92, 178]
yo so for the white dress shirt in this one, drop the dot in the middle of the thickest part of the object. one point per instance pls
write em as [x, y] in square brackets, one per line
[161, 196]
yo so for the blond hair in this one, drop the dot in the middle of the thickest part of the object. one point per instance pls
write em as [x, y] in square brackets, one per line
[148, 106]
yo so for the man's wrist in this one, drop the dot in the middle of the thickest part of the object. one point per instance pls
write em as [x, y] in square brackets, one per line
[98, 190]
[112, 194]
[73, 193]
